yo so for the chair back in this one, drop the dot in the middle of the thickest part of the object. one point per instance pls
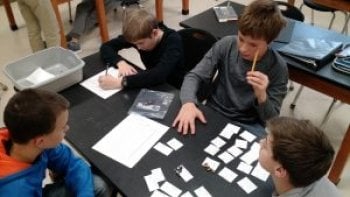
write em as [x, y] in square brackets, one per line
[290, 11]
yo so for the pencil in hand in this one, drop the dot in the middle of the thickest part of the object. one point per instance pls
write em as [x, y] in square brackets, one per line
[255, 60]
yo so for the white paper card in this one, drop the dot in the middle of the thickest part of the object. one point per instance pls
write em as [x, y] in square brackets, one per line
[202, 192]
[93, 85]
[244, 167]
[250, 156]
[175, 144]
[235, 151]
[170, 189]
[158, 175]
[211, 149]
[185, 174]
[128, 142]
[218, 142]
[157, 193]
[247, 185]
[228, 174]
[229, 130]
[187, 194]
[248, 136]
[39, 75]
[211, 163]
[226, 157]
[151, 183]
[241, 143]
[260, 173]
[162, 148]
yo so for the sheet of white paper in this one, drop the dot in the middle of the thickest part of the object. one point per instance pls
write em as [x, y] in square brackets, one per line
[170, 189]
[248, 136]
[175, 144]
[247, 185]
[218, 142]
[185, 174]
[229, 130]
[158, 194]
[187, 194]
[93, 85]
[202, 192]
[260, 173]
[151, 183]
[39, 75]
[234, 150]
[255, 147]
[244, 167]
[226, 157]
[131, 139]
[228, 174]
[250, 156]
[162, 148]
[211, 149]
[158, 175]
[241, 143]
[212, 163]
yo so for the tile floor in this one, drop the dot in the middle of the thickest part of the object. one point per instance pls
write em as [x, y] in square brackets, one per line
[311, 105]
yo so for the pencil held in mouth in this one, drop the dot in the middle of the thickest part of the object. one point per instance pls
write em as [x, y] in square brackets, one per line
[255, 60]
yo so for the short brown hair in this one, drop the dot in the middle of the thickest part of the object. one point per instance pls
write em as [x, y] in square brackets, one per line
[301, 148]
[261, 19]
[31, 113]
[138, 24]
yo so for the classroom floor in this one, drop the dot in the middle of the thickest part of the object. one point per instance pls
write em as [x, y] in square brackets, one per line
[311, 104]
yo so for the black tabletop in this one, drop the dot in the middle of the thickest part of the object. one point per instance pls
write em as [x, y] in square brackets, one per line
[208, 22]
[92, 117]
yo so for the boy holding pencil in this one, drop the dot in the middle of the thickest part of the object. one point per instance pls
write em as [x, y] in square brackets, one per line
[252, 78]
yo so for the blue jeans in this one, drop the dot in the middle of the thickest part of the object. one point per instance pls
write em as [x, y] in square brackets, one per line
[58, 189]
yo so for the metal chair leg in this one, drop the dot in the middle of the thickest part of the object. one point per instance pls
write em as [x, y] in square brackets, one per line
[292, 105]
[327, 115]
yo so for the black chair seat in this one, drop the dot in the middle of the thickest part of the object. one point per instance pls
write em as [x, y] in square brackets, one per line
[311, 4]
[290, 11]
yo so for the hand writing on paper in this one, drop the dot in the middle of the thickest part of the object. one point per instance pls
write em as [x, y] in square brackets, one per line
[259, 82]
[125, 69]
[108, 82]
[185, 119]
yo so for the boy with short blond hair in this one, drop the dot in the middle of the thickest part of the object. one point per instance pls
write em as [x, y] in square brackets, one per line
[160, 49]
[247, 94]
[298, 155]
[36, 123]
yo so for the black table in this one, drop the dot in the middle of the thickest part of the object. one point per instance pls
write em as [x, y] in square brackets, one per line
[326, 80]
[92, 117]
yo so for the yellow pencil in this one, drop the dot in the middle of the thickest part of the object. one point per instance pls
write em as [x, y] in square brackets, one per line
[255, 60]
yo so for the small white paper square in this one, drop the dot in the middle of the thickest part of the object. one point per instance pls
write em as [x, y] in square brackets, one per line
[229, 130]
[211, 163]
[170, 189]
[235, 151]
[218, 142]
[244, 167]
[247, 185]
[175, 144]
[211, 149]
[187, 194]
[241, 143]
[157, 174]
[202, 192]
[226, 157]
[151, 183]
[228, 174]
[248, 136]
[260, 173]
[164, 149]
[250, 156]
[157, 193]
[185, 174]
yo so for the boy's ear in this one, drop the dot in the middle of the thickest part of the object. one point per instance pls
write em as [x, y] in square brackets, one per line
[39, 141]
[280, 172]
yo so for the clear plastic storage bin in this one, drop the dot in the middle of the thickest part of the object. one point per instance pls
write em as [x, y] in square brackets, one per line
[59, 68]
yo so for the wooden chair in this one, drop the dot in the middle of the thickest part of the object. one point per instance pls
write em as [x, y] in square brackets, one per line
[55, 4]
